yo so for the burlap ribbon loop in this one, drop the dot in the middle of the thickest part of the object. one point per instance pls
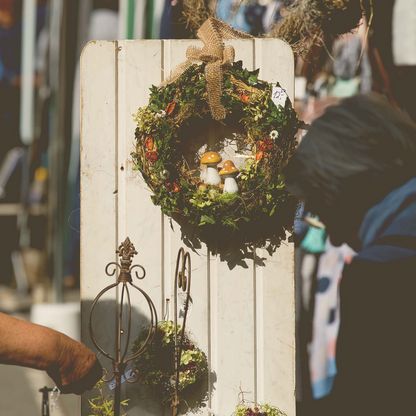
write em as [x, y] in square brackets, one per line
[215, 55]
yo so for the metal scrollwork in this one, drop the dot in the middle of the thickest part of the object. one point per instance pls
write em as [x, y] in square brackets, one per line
[124, 283]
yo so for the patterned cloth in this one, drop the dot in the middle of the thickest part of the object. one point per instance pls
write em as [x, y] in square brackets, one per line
[326, 319]
[394, 217]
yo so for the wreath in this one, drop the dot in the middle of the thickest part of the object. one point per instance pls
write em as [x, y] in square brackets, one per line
[261, 211]
[217, 122]
[156, 368]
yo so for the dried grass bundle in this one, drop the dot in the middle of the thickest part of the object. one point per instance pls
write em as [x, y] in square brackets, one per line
[195, 12]
[308, 23]
[311, 22]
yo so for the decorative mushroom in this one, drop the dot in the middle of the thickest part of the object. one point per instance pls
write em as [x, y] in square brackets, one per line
[211, 160]
[203, 174]
[229, 172]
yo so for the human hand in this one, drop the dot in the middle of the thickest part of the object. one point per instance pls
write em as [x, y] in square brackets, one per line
[76, 368]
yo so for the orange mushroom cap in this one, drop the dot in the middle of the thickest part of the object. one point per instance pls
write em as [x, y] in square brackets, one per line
[228, 168]
[210, 157]
[228, 163]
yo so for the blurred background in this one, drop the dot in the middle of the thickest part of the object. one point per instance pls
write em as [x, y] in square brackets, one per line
[40, 45]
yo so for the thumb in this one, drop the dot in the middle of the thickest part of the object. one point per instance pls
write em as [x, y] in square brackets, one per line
[87, 382]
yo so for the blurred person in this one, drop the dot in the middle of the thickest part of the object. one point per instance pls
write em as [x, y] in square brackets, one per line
[10, 80]
[356, 169]
[404, 53]
[10, 69]
[393, 50]
[73, 367]
[10, 51]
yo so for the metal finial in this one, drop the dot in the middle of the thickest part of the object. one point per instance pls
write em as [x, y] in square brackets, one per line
[126, 251]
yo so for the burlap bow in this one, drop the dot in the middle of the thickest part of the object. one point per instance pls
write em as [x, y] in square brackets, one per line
[215, 55]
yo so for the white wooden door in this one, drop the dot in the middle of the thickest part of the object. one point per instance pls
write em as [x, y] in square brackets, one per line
[242, 318]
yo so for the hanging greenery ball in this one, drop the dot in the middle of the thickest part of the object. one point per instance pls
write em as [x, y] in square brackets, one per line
[257, 410]
[232, 200]
[156, 368]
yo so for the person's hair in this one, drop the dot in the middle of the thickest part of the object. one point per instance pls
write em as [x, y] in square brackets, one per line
[353, 156]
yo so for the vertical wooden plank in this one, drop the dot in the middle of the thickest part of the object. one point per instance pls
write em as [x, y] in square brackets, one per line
[275, 59]
[198, 318]
[137, 217]
[276, 358]
[275, 282]
[234, 326]
[98, 179]
[174, 54]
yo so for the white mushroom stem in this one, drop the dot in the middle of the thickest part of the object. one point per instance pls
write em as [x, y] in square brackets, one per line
[203, 173]
[230, 184]
[212, 177]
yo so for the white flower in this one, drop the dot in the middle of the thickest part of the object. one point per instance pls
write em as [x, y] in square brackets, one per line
[161, 113]
[274, 134]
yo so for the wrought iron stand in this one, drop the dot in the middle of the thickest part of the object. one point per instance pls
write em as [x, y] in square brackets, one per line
[183, 277]
[124, 283]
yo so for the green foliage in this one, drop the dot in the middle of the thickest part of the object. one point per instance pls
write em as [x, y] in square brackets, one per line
[156, 368]
[102, 404]
[258, 410]
[230, 224]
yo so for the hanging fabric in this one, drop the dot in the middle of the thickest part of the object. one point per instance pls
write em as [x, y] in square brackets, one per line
[272, 14]
[233, 12]
[326, 319]
[314, 241]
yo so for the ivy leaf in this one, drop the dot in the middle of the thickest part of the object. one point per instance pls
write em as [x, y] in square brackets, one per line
[252, 79]
[206, 219]
[238, 65]
[229, 222]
